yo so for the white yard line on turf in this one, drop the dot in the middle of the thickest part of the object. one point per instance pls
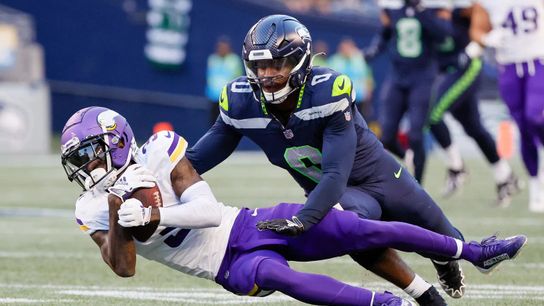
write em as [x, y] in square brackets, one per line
[219, 296]
[32, 301]
[36, 212]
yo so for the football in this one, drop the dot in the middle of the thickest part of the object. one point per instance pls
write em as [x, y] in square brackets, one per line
[149, 197]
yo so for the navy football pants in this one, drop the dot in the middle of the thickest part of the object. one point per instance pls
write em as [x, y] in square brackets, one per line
[397, 100]
[457, 93]
[394, 195]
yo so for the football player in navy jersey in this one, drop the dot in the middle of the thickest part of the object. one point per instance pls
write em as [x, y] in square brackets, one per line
[457, 92]
[409, 33]
[305, 121]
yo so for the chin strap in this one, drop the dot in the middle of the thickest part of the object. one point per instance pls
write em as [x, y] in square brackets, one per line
[270, 97]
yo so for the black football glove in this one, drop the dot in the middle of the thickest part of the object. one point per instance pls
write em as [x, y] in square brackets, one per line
[293, 227]
[463, 61]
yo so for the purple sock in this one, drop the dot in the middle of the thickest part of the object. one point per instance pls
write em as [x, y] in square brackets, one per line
[471, 252]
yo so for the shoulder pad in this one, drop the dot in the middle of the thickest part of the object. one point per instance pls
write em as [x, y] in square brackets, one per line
[329, 83]
[234, 90]
[161, 153]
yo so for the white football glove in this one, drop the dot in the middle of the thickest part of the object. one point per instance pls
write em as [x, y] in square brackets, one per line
[133, 213]
[134, 177]
[495, 38]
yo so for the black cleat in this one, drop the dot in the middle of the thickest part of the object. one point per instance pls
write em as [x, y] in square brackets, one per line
[506, 190]
[451, 278]
[454, 181]
[431, 297]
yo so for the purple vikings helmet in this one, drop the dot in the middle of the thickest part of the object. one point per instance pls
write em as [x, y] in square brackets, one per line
[96, 133]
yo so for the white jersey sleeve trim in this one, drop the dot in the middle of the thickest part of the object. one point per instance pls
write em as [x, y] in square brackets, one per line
[323, 110]
[162, 152]
[250, 123]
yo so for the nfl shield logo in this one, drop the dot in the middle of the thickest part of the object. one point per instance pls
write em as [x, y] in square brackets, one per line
[288, 134]
[347, 115]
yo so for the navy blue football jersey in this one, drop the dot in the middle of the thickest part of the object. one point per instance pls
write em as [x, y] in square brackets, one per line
[414, 36]
[325, 138]
[452, 46]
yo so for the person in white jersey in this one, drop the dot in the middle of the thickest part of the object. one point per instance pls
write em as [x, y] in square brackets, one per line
[515, 28]
[246, 251]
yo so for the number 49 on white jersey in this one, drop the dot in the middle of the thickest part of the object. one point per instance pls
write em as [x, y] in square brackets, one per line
[522, 22]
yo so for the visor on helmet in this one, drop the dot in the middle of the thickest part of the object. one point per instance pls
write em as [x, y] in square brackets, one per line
[75, 162]
[280, 64]
[275, 87]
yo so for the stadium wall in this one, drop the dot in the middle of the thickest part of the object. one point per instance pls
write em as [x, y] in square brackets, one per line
[94, 54]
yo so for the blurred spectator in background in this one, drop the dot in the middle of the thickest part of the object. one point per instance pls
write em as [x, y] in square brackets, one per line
[223, 66]
[350, 61]
[298, 6]
[321, 59]
[322, 7]
[368, 8]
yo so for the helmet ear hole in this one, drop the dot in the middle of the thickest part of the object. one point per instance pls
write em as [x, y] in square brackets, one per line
[121, 143]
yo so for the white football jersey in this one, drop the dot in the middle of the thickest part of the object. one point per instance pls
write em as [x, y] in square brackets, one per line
[197, 252]
[522, 22]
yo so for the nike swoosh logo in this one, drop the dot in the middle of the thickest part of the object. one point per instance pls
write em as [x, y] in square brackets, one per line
[254, 214]
[397, 174]
[341, 86]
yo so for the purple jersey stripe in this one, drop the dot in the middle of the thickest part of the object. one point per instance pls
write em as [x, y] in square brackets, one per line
[174, 144]
[79, 221]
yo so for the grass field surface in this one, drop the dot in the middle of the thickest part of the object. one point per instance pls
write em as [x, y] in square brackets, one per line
[45, 259]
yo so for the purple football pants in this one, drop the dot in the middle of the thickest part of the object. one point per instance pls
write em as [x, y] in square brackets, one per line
[255, 261]
[522, 89]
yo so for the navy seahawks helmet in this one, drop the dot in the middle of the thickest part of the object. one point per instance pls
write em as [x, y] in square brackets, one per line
[280, 41]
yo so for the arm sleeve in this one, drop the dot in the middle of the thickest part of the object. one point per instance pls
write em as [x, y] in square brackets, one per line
[214, 147]
[378, 44]
[437, 28]
[339, 144]
[199, 209]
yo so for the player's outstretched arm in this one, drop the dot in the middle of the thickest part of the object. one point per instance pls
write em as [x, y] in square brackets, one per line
[199, 208]
[214, 147]
[339, 143]
[480, 26]
[380, 41]
[116, 244]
